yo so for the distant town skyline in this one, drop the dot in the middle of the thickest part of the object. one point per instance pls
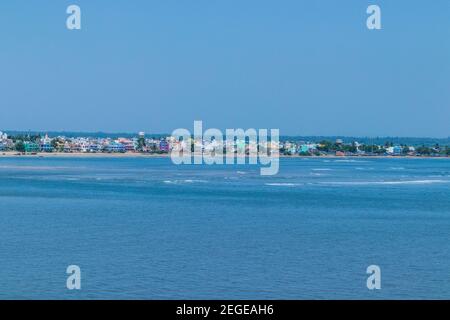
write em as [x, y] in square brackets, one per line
[308, 68]
[23, 144]
[349, 139]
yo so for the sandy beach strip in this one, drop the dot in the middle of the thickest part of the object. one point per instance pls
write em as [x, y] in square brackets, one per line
[14, 154]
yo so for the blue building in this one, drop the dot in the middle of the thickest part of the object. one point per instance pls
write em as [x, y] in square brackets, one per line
[115, 147]
[46, 147]
[164, 146]
[398, 150]
[93, 148]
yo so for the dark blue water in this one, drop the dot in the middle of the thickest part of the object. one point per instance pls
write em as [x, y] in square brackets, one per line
[147, 229]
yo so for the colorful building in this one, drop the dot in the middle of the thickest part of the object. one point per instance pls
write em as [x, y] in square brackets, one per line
[164, 146]
[31, 147]
[115, 147]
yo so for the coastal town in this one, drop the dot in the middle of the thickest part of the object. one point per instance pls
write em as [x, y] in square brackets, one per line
[34, 144]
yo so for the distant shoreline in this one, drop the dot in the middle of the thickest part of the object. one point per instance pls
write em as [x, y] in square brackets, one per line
[9, 154]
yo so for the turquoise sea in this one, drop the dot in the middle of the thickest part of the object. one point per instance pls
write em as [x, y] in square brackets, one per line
[143, 228]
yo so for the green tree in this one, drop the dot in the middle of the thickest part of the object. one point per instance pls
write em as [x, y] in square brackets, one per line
[20, 146]
[324, 146]
[424, 150]
[446, 151]
[141, 143]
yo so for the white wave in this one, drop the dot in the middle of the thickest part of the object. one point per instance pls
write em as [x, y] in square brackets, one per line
[194, 181]
[184, 181]
[316, 174]
[350, 160]
[415, 182]
[282, 184]
[37, 167]
[231, 178]
[360, 183]
[241, 172]
[172, 181]
[397, 168]
[322, 169]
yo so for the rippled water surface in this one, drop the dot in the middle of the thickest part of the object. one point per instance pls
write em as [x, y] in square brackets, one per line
[145, 228]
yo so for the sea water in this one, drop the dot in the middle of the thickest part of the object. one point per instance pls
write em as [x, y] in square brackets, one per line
[143, 228]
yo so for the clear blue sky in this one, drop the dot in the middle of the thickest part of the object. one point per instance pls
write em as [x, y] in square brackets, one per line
[305, 67]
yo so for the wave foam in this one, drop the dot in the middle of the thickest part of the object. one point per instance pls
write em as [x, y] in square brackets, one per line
[351, 160]
[184, 181]
[282, 184]
[360, 183]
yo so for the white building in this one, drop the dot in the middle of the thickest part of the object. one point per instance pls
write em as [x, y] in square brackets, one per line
[3, 136]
